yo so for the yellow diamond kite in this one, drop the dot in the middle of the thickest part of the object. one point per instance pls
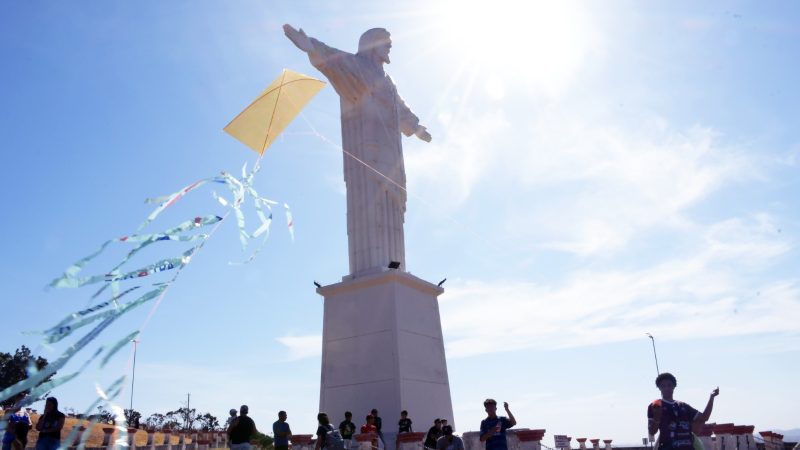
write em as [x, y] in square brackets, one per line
[270, 113]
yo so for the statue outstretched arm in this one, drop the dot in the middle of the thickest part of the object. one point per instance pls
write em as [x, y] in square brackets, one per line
[299, 38]
[409, 122]
[340, 67]
[422, 133]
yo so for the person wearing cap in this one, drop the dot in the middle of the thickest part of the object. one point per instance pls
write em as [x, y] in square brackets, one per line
[434, 433]
[448, 441]
[493, 427]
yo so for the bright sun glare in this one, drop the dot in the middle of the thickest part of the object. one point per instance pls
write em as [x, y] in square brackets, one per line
[539, 43]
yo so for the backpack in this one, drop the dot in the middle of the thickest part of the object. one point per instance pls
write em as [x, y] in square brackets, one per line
[333, 439]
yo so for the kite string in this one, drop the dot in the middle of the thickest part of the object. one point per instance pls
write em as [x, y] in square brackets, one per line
[415, 196]
[194, 255]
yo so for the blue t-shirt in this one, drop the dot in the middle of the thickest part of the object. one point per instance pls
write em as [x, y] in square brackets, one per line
[13, 420]
[498, 440]
[280, 427]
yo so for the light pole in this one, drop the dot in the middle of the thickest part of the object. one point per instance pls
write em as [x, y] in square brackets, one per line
[133, 375]
[658, 372]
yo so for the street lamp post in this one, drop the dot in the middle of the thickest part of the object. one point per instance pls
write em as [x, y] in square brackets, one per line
[653, 340]
[133, 375]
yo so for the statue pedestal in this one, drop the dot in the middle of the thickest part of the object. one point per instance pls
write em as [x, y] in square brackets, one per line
[382, 348]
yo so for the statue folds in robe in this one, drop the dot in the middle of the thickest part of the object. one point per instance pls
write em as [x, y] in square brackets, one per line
[373, 116]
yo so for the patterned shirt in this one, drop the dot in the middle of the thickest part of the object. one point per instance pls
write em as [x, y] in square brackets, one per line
[675, 429]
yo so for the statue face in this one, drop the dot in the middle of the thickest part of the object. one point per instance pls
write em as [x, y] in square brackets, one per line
[382, 50]
[375, 44]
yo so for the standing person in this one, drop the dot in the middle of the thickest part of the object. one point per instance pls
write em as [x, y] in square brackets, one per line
[22, 427]
[404, 425]
[434, 433]
[378, 422]
[493, 427]
[49, 426]
[369, 427]
[448, 441]
[347, 428]
[241, 430]
[231, 417]
[282, 432]
[675, 420]
[328, 438]
[17, 427]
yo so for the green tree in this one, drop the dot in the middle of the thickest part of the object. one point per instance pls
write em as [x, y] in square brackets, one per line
[155, 421]
[133, 417]
[263, 441]
[14, 368]
[105, 416]
[207, 422]
[182, 418]
[172, 421]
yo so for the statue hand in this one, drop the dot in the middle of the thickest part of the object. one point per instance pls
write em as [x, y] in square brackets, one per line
[422, 133]
[298, 38]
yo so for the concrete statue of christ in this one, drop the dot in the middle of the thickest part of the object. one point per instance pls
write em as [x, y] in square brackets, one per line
[373, 117]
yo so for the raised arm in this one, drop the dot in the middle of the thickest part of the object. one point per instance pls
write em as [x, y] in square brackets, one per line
[508, 411]
[706, 414]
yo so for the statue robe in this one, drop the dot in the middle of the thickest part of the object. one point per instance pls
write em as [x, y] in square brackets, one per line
[373, 116]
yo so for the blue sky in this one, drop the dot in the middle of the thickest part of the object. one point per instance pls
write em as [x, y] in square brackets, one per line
[598, 171]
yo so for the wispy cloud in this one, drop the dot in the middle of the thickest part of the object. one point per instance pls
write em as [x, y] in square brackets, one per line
[699, 294]
[614, 183]
[301, 347]
[452, 165]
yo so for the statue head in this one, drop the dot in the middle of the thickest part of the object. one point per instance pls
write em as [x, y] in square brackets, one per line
[375, 44]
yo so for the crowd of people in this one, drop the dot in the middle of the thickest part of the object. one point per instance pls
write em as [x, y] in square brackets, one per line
[675, 422]
[439, 437]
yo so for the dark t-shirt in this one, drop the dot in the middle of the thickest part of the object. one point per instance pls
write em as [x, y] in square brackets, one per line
[50, 421]
[242, 430]
[322, 434]
[433, 435]
[378, 423]
[21, 431]
[675, 429]
[498, 440]
[281, 427]
[347, 428]
[404, 425]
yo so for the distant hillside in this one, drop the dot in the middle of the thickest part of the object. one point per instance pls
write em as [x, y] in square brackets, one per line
[792, 435]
